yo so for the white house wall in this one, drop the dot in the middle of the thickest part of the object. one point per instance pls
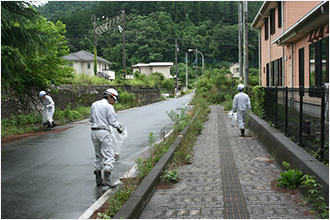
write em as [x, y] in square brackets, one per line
[164, 70]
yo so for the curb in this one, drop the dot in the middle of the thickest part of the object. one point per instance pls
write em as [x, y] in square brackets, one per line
[134, 206]
[98, 203]
[282, 149]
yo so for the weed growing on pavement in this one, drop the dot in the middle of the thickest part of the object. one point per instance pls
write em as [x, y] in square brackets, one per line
[314, 196]
[171, 176]
[290, 178]
[296, 179]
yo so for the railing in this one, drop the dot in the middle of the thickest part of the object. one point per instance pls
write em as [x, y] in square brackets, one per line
[302, 114]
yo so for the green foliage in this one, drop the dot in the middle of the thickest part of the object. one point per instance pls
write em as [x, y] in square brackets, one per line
[67, 114]
[257, 98]
[290, 178]
[177, 118]
[116, 202]
[31, 49]
[151, 139]
[151, 34]
[314, 196]
[21, 124]
[171, 176]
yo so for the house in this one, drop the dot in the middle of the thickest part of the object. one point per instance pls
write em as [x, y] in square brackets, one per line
[83, 62]
[293, 43]
[234, 69]
[161, 67]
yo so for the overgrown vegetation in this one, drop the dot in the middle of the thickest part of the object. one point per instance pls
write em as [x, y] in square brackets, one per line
[290, 178]
[296, 179]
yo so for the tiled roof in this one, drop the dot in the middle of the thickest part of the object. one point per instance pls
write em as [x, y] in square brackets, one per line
[84, 56]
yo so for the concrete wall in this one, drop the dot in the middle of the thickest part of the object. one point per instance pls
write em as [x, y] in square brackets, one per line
[63, 95]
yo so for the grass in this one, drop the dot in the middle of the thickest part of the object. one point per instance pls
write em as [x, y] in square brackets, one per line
[21, 124]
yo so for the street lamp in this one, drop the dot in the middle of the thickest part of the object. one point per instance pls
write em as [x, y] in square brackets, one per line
[190, 50]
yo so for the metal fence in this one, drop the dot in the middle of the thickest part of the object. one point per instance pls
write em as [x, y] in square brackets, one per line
[301, 114]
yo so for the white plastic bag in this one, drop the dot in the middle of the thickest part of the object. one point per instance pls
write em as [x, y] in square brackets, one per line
[230, 114]
[44, 115]
[118, 139]
[234, 119]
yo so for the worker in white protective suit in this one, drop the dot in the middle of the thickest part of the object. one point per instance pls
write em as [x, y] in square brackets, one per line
[241, 103]
[48, 110]
[103, 116]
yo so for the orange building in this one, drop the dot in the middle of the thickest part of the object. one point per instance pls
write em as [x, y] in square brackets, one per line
[293, 43]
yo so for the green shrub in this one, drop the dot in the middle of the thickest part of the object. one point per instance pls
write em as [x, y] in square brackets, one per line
[290, 178]
[314, 196]
[171, 176]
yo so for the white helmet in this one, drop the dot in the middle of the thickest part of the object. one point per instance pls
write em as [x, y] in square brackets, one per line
[42, 93]
[112, 92]
[240, 87]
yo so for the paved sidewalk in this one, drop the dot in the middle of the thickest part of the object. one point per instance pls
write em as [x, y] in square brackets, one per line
[230, 177]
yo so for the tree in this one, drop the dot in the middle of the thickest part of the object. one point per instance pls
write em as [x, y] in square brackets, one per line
[31, 49]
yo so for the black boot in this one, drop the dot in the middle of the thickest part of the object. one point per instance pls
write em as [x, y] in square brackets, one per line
[107, 180]
[242, 132]
[48, 126]
[98, 176]
[53, 124]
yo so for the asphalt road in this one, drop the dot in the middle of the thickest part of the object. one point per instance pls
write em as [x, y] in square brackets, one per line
[51, 175]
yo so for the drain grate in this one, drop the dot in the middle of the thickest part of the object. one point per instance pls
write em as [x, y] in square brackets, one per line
[234, 205]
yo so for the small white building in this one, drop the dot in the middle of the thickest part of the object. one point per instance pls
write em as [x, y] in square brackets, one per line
[83, 62]
[161, 67]
[234, 69]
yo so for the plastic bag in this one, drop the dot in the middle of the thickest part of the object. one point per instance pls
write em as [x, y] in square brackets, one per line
[234, 119]
[118, 139]
[44, 115]
[230, 114]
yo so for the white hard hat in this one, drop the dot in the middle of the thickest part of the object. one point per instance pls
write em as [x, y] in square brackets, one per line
[112, 92]
[42, 93]
[240, 87]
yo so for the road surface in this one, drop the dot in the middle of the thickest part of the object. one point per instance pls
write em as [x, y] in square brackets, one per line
[51, 175]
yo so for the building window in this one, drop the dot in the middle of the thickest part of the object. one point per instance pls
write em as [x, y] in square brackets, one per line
[275, 74]
[301, 67]
[267, 75]
[88, 65]
[319, 63]
[266, 28]
[279, 13]
[272, 21]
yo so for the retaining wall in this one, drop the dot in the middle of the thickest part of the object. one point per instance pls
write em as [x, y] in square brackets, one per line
[83, 95]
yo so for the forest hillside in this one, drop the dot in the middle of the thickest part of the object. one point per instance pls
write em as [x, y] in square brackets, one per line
[152, 28]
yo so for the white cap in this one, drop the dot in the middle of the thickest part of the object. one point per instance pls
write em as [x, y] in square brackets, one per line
[240, 87]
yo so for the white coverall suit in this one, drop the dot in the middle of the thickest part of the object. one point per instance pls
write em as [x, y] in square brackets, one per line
[102, 117]
[241, 103]
[49, 109]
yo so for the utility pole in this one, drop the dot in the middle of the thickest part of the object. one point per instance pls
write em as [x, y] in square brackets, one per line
[245, 41]
[196, 65]
[187, 70]
[124, 46]
[240, 41]
[95, 44]
[176, 65]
